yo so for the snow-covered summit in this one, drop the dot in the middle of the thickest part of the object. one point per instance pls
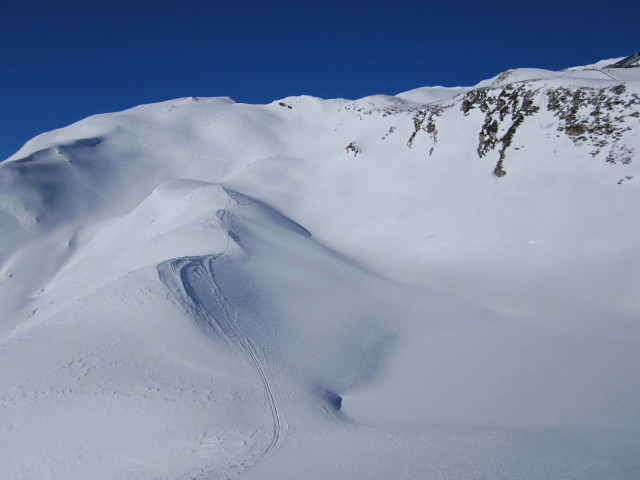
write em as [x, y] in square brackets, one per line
[438, 283]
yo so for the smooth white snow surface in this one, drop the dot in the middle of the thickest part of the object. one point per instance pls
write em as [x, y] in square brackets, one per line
[204, 289]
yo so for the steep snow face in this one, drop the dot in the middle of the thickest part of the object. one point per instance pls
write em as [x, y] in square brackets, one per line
[440, 283]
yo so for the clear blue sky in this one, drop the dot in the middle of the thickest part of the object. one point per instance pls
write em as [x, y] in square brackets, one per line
[64, 60]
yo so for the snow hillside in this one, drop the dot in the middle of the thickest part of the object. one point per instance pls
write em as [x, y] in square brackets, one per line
[441, 283]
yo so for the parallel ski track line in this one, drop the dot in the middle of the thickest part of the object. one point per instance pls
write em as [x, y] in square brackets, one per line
[178, 276]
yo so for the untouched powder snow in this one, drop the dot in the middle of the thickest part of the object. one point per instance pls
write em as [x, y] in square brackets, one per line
[437, 284]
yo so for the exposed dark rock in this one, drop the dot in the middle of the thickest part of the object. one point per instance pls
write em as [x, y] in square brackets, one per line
[595, 115]
[424, 119]
[512, 103]
[353, 149]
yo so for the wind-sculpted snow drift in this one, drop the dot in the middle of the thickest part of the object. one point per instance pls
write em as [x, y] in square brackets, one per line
[437, 284]
[192, 281]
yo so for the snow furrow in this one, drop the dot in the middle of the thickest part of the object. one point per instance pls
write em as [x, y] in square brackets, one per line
[192, 281]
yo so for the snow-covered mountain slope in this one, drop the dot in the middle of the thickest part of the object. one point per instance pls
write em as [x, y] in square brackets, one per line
[437, 284]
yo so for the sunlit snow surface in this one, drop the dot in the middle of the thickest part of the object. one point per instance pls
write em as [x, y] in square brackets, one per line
[329, 288]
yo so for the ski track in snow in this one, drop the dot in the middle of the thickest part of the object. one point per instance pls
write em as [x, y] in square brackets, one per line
[185, 277]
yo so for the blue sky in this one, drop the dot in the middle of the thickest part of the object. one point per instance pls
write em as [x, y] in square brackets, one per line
[64, 60]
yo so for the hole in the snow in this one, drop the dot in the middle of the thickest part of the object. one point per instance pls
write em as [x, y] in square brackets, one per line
[334, 400]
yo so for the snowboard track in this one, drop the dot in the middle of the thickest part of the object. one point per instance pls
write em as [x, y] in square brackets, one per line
[185, 278]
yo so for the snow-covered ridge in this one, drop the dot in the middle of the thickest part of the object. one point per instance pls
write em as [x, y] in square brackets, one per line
[437, 283]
